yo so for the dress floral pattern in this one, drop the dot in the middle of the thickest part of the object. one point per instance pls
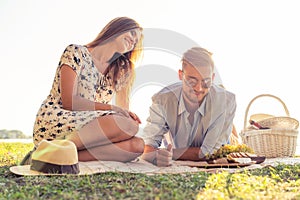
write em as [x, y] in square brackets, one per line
[52, 121]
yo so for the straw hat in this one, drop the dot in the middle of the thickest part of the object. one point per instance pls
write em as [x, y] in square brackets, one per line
[56, 157]
[272, 121]
[260, 116]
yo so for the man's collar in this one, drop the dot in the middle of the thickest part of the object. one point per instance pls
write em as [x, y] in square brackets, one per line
[182, 108]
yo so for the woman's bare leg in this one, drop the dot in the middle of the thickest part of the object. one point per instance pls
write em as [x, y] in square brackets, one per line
[104, 130]
[122, 151]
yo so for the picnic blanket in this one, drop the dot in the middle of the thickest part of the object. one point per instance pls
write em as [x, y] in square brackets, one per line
[178, 167]
[142, 166]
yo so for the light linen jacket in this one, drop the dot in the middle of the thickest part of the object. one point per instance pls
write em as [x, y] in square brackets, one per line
[214, 127]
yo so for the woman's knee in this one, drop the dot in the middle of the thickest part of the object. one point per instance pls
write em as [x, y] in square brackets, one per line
[134, 150]
[127, 125]
[137, 145]
[134, 128]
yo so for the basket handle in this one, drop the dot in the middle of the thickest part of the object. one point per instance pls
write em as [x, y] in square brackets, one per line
[259, 96]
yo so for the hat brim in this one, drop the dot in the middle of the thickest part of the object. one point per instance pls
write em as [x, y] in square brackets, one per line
[24, 170]
[260, 116]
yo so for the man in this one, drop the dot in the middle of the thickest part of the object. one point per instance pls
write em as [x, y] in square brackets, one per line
[197, 114]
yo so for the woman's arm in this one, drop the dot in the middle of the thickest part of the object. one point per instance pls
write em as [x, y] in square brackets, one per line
[122, 99]
[70, 100]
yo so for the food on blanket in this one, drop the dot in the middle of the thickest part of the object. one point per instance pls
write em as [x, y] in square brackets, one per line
[240, 153]
[227, 149]
[241, 160]
[240, 157]
[220, 161]
[236, 157]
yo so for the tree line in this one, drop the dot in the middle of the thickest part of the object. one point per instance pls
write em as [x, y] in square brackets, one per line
[12, 134]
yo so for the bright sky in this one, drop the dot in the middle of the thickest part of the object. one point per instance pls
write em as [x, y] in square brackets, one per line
[255, 44]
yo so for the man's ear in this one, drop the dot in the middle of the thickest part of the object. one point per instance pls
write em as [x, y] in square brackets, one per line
[180, 74]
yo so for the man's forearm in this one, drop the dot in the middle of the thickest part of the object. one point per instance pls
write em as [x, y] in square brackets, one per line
[191, 153]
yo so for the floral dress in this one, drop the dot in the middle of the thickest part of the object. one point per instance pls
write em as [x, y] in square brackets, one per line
[52, 121]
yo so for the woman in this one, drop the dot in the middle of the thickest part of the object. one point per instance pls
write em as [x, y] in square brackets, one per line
[87, 77]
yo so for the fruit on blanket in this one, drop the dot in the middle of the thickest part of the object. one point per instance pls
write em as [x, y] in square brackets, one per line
[227, 149]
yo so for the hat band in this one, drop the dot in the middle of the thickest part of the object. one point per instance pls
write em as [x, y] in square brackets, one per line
[50, 168]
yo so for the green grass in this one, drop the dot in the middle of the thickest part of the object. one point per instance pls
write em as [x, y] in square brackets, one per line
[280, 182]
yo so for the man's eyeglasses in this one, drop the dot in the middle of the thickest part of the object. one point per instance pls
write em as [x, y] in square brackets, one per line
[191, 81]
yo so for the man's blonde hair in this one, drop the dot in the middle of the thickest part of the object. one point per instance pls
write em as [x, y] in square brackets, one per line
[198, 57]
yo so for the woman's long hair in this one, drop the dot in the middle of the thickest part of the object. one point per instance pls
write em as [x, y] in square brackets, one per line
[120, 66]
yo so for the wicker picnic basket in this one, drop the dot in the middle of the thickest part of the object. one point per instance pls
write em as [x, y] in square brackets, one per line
[280, 140]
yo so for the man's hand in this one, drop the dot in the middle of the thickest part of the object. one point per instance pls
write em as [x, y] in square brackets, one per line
[164, 156]
[159, 157]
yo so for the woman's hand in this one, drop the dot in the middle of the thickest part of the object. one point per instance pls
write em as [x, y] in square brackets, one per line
[126, 113]
[120, 110]
[135, 117]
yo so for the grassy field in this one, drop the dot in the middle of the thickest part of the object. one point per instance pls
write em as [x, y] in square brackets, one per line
[281, 182]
